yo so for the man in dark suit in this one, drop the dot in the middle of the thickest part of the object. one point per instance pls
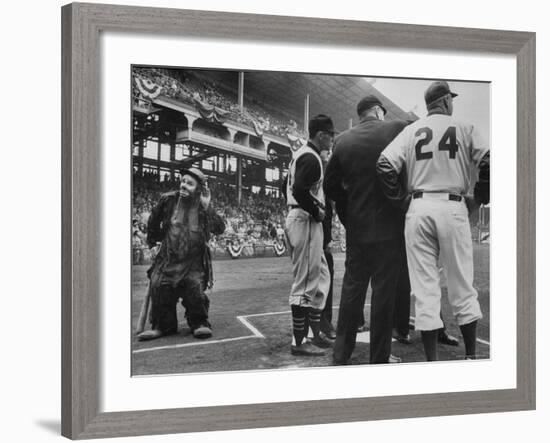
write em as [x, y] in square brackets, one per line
[326, 315]
[374, 231]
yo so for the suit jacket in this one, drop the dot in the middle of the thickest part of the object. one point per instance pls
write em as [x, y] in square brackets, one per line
[351, 181]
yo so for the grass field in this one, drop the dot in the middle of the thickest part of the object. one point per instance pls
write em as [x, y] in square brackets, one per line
[251, 322]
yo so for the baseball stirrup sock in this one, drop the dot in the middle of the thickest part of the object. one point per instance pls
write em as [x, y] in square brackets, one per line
[298, 324]
[429, 340]
[469, 333]
[314, 317]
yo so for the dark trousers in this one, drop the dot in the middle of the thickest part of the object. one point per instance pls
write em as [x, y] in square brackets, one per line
[326, 314]
[402, 310]
[381, 262]
[164, 299]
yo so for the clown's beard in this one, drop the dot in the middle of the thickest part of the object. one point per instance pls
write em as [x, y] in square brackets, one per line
[192, 199]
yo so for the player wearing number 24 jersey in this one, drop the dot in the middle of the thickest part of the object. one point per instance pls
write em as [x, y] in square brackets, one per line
[437, 153]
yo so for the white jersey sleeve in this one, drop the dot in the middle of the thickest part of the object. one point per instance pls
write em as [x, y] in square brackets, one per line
[396, 151]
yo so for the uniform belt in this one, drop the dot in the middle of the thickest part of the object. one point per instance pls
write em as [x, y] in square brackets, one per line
[438, 196]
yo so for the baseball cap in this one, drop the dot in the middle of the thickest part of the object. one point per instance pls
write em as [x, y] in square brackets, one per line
[195, 173]
[437, 90]
[367, 102]
[320, 122]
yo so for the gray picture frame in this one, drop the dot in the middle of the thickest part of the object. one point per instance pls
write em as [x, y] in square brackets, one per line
[81, 207]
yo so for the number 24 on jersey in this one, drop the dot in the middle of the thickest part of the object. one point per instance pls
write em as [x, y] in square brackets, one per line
[447, 143]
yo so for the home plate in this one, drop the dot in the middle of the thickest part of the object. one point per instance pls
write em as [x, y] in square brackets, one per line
[364, 337]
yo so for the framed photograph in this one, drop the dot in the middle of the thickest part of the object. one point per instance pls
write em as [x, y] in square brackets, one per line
[210, 110]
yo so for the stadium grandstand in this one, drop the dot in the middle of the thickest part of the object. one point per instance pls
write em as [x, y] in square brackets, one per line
[240, 129]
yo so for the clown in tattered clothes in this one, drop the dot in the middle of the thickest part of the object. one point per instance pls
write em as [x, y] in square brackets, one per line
[182, 223]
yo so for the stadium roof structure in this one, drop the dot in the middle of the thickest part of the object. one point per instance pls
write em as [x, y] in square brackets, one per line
[334, 95]
[175, 115]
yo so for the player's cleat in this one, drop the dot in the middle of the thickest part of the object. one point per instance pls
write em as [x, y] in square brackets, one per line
[307, 349]
[403, 339]
[202, 332]
[394, 359]
[151, 334]
[329, 331]
[321, 341]
[447, 339]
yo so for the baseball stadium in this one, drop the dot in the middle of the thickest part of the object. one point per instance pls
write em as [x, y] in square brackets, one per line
[240, 129]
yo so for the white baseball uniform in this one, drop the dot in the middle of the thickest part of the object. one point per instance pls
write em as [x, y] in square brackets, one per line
[437, 152]
[305, 240]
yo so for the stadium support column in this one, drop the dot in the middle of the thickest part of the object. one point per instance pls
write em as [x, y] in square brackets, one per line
[190, 121]
[141, 147]
[350, 124]
[241, 90]
[239, 179]
[172, 159]
[159, 149]
[306, 112]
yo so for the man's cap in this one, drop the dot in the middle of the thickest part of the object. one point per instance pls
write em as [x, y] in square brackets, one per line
[437, 90]
[367, 102]
[195, 173]
[320, 122]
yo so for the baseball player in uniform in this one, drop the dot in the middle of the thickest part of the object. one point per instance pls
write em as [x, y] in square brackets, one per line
[304, 232]
[437, 152]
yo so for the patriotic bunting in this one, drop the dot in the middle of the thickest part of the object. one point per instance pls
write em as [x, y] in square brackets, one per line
[147, 88]
[280, 248]
[235, 250]
[210, 112]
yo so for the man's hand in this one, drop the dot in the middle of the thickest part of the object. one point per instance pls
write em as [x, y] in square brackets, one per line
[205, 197]
[155, 250]
[320, 215]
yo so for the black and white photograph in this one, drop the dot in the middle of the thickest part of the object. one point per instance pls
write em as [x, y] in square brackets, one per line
[286, 220]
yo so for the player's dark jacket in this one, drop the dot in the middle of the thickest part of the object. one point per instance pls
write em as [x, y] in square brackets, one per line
[482, 187]
[159, 220]
[306, 174]
[309, 166]
[350, 180]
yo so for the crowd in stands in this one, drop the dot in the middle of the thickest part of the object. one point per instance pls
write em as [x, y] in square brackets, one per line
[254, 220]
[191, 88]
[257, 221]
[147, 189]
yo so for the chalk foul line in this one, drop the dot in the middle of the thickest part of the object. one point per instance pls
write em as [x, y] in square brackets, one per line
[242, 318]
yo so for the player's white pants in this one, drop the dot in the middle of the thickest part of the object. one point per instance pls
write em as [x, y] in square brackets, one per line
[309, 266]
[438, 229]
